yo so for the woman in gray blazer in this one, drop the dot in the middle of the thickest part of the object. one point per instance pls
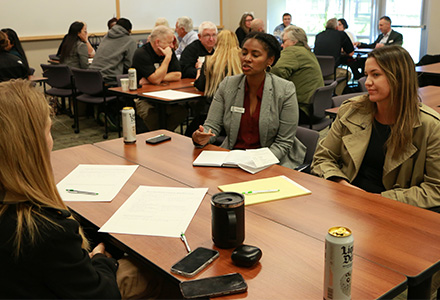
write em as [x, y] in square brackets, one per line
[256, 109]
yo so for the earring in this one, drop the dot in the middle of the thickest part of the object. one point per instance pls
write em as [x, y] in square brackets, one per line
[269, 68]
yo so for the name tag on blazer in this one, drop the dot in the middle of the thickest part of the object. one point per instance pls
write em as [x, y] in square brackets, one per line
[236, 109]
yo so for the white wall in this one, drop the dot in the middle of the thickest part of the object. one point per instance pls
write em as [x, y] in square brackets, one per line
[233, 10]
[433, 25]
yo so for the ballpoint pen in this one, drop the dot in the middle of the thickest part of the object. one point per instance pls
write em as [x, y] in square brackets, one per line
[183, 238]
[73, 191]
[259, 192]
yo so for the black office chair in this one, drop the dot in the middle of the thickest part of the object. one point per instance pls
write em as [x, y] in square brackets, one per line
[90, 83]
[309, 138]
[328, 68]
[319, 102]
[59, 77]
[95, 40]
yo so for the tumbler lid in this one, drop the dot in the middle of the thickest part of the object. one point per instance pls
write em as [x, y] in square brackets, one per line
[227, 200]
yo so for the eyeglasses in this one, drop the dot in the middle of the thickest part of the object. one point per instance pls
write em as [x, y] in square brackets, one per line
[209, 36]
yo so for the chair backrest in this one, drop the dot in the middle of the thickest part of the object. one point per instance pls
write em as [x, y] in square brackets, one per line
[322, 100]
[119, 77]
[94, 41]
[362, 84]
[309, 138]
[337, 100]
[327, 64]
[88, 81]
[58, 76]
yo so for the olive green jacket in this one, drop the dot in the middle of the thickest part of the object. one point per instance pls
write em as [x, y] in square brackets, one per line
[300, 66]
[413, 177]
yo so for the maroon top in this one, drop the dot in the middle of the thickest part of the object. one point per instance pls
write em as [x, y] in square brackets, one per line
[249, 133]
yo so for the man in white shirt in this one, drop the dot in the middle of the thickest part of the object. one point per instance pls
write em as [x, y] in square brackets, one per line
[185, 34]
[387, 36]
[287, 19]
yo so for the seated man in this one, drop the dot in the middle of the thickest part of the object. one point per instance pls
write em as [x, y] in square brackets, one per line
[199, 48]
[330, 42]
[287, 18]
[185, 34]
[386, 38]
[257, 25]
[115, 53]
[155, 62]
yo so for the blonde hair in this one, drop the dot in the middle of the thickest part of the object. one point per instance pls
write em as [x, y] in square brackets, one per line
[224, 62]
[161, 21]
[26, 175]
[296, 34]
[399, 70]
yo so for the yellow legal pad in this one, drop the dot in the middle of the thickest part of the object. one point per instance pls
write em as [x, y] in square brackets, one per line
[287, 188]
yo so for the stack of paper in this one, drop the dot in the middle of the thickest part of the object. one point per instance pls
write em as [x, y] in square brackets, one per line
[172, 95]
[251, 160]
[267, 189]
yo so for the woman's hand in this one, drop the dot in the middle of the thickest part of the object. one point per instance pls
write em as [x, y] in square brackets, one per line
[346, 183]
[99, 249]
[201, 137]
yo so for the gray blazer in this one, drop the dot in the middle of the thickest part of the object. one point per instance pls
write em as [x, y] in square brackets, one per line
[278, 117]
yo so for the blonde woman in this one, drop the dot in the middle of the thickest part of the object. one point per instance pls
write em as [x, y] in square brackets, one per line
[385, 142]
[224, 62]
[44, 252]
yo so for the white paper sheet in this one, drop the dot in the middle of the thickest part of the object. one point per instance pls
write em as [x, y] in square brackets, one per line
[106, 180]
[172, 95]
[158, 211]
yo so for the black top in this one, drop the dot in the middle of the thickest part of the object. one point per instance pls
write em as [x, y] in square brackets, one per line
[11, 67]
[56, 267]
[189, 57]
[241, 34]
[330, 42]
[144, 59]
[369, 177]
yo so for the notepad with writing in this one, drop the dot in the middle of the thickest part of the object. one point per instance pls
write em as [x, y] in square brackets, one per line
[251, 160]
[286, 187]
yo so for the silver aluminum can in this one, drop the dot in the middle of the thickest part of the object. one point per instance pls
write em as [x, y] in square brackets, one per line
[338, 263]
[128, 125]
[132, 80]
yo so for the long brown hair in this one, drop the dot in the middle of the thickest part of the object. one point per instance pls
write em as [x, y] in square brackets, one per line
[399, 69]
[25, 170]
[242, 23]
[224, 62]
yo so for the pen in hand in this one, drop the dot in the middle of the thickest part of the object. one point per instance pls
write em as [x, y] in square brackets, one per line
[183, 238]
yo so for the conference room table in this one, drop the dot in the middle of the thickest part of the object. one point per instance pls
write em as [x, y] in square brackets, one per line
[429, 95]
[292, 265]
[431, 68]
[184, 85]
[398, 236]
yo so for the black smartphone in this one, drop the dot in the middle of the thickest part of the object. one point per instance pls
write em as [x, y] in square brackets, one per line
[213, 286]
[157, 139]
[194, 262]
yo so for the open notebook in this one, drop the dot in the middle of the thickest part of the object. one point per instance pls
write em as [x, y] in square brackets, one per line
[251, 160]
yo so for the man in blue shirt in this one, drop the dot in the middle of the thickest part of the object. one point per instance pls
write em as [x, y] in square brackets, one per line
[287, 18]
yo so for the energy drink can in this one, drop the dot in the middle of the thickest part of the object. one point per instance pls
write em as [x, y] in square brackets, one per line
[128, 125]
[132, 80]
[338, 263]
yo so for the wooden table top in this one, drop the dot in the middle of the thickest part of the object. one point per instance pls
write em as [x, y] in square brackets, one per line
[183, 83]
[399, 236]
[431, 68]
[292, 264]
[430, 96]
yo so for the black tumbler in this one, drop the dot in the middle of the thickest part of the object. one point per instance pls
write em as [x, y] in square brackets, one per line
[227, 219]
